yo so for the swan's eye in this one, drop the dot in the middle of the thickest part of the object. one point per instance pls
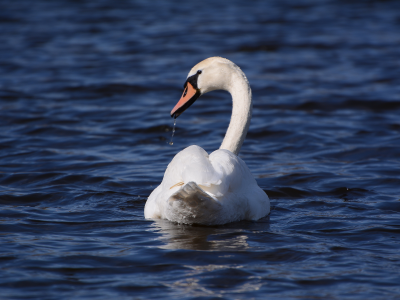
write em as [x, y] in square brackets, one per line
[185, 92]
[199, 72]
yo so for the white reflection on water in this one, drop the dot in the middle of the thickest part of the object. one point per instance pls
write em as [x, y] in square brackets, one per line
[229, 237]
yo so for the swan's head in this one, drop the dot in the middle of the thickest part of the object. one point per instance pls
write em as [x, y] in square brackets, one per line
[211, 74]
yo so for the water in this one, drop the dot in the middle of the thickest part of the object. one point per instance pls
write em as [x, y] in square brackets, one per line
[85, 94]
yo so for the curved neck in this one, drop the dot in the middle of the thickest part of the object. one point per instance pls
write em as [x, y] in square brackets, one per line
[241, 112]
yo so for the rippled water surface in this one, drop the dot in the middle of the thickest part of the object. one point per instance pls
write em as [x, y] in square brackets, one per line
[86, 88]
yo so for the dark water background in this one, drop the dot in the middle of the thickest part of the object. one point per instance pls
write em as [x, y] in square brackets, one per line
[86, 88]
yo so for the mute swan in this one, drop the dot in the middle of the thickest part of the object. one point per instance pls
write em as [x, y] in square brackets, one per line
[219, 188]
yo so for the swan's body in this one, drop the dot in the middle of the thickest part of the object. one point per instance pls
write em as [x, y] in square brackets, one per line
[217, 188]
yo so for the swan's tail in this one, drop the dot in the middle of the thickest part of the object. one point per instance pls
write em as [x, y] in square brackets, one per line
[190, 204]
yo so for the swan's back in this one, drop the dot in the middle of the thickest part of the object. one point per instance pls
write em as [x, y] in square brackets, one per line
[207, 189]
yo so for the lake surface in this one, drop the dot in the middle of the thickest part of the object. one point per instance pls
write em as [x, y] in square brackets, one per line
[86, 88]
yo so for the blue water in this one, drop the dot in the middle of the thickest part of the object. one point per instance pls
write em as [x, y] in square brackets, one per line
[86, 88]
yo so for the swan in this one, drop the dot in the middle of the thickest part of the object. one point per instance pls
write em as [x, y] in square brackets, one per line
[219, 188]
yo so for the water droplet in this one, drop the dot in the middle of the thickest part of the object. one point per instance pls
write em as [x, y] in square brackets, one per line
[173, 132]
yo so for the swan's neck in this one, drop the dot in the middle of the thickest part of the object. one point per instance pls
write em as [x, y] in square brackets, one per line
[241, 113]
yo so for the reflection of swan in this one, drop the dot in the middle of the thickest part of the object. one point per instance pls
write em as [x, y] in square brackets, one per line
[219, 188]
[181, 236]
[229, 237]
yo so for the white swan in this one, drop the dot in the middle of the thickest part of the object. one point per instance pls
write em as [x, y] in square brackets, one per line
[218, 188]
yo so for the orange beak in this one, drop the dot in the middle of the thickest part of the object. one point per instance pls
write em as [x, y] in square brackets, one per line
[190, 94]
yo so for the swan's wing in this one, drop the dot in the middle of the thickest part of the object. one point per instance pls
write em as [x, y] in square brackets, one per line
[152, 209]
[191, 165]
[242, 191]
